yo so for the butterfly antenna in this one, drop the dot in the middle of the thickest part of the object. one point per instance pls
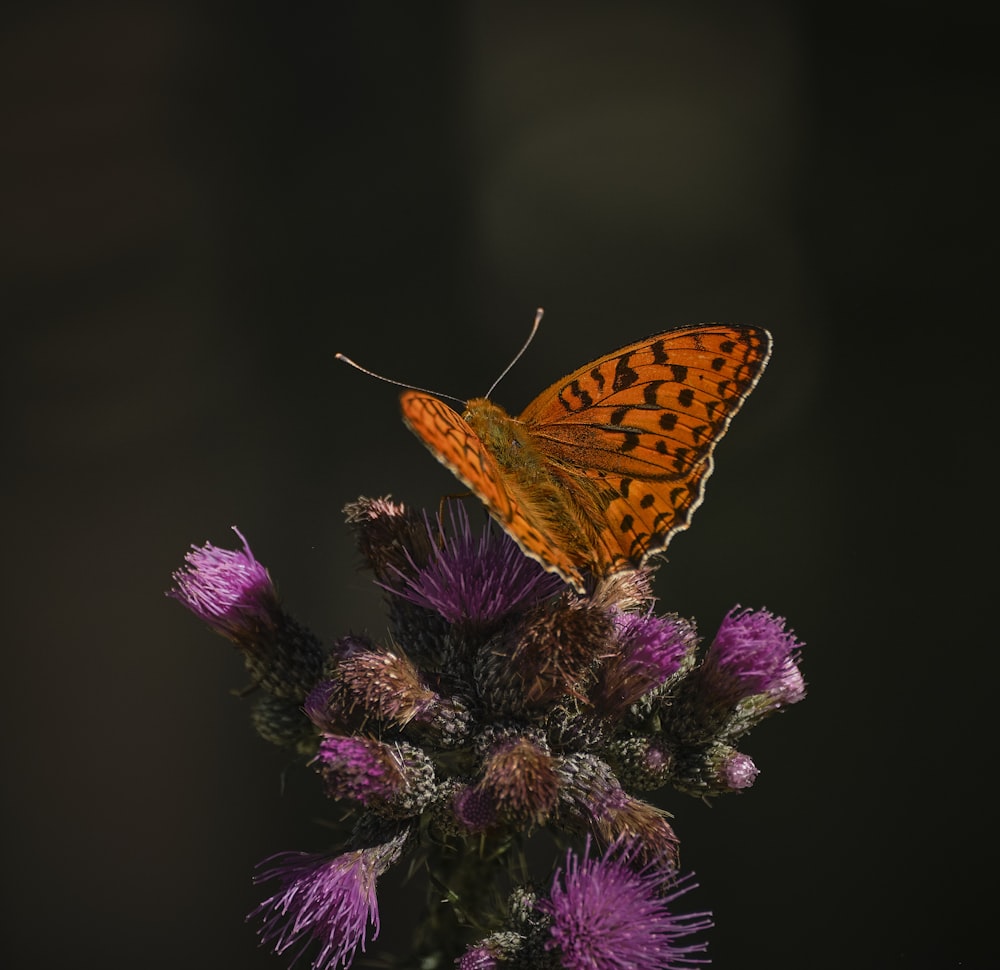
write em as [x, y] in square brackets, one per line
[389, 380]
[531, 336]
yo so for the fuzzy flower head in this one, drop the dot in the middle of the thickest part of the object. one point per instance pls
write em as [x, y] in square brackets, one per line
[396, 779]
[325, 900]
[651, 649]
[391, 536]
[520, 779]
[608, 913]
[475, 808]
[320, 900]
[753, 654]
[233, 593]
[478, 957]
[378, 688]
[470, 578]
[227, 589]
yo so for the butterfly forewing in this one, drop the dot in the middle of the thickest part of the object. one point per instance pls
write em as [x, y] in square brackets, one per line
[700, 375]
[457, 446]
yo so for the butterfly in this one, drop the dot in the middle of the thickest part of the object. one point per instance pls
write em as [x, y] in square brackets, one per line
[607, 465]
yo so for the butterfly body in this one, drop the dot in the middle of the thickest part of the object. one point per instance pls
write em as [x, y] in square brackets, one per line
[550, 511]
[603, 468]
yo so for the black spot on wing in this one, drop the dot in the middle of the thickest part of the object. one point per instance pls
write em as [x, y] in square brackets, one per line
[663, 519]
[649, 394]
[625, 375]
[575, 398]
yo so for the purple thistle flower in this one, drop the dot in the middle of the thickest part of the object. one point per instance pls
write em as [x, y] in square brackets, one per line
[789, 687]
[229, 590]
[520, 779]
[233, 593]
[379, 686]
[753, 654]
[317, 706]
[325, 900]
[608, 915]
[651, 649]
[359, 768]
[390, 535]
[477, 957]
[473, 579]
[322, 900]
[474, 808]
[396, 779]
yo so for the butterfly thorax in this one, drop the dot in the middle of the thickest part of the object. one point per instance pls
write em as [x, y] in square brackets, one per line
[533, 479]
[505, 438]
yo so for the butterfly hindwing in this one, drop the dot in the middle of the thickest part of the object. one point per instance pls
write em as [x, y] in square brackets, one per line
[644, 422]
[458, 448]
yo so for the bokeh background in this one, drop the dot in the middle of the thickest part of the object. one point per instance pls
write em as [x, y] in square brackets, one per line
[203, 202]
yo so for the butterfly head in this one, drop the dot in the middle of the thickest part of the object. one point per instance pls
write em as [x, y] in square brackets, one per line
[504, 437]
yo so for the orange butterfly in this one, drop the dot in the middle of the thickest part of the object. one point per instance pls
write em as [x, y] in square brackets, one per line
[605, 467]
[601, 470]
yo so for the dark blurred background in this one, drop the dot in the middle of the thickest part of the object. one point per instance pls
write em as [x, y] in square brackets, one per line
[202, 203]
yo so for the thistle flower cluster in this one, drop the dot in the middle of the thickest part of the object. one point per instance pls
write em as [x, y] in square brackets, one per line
[501, 703]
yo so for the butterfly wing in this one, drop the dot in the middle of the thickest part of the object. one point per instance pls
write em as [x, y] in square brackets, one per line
[457, 446]
[643, 422]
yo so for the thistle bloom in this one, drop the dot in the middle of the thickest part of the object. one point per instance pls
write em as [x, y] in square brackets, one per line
[233, 593]
[652, 648]
[606, 914]
[472, 579]
[227, 589]
[477, 957]
[359, 768]
[324, 900]
[753, 654]
[520, 779]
